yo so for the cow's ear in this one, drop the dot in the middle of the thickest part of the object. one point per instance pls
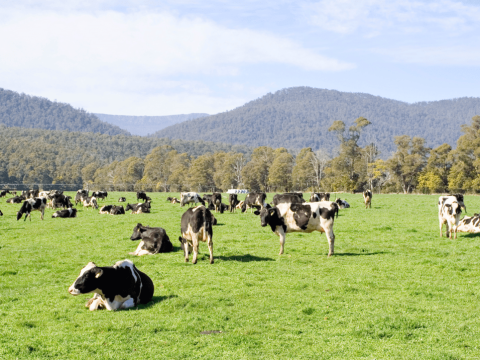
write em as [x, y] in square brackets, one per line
[272, 211]
[256, 212]
[99, 273]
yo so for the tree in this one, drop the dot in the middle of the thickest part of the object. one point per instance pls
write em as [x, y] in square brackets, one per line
[255, 173]
[200, 174]
[280, 174]
[439, 164]
[179, 172]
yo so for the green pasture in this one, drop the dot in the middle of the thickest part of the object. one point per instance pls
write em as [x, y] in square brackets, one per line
[393, 290]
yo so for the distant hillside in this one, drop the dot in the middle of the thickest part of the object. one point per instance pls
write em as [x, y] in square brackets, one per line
[36, 112]
[299, 117]
[145, 125]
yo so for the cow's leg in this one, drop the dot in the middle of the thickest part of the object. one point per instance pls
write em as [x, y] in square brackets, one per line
[331, 241]
[186, 247]
[281, 235]
[43, 213]
[128, 304]
[210, 248]
[195, 248]
[448, 230]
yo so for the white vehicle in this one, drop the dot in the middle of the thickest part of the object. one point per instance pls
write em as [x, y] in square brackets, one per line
[237, 191]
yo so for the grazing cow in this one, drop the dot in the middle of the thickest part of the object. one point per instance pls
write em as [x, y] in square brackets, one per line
[256, 200]
[367, 198]
[140, 208]
[117, 210]
[122, 199]
[106, 209]
[196, 226]
[233, 201]
[449, 211]
[37, 204]
[90, 201]
[470, 224]
[288, 198]
[60, 200]
[190, 198]
[80, 196]
[286, 218]
[154, 240]
[141, 195]
[316, 197]
[68, 213]
[4, 193]
[120, 286]
[342, 204]
[100, 194]
[16, 200]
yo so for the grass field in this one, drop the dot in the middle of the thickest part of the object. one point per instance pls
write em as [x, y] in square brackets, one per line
[394, 289]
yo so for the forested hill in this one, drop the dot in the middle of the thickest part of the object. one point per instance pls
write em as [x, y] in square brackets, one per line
[36, 112]
[145, 125]
[300, 117]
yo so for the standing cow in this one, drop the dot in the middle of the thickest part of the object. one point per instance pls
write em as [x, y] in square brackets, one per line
[190, 198]
[367, 198]
[233, 201]
[196, 226]
[449, 211]
[37, 204]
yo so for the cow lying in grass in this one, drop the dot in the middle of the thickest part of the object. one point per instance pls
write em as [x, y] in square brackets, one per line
[154, 240]
[116, 287]
[140, 208]
[90, 202]
[117, 210]
[68, 213]
[342, 204]
[286, 218]
[470, 224]
[106, 209]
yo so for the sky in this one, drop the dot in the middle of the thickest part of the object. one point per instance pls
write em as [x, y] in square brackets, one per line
[146, 57]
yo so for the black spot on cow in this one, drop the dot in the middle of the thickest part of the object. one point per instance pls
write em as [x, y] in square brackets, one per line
[301, 215]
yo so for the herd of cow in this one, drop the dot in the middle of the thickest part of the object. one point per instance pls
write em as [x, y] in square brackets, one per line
[123, 286]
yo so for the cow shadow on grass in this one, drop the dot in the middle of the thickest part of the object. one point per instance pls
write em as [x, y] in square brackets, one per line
[155, 300]
[470, 235]
[362, 253]
[243, 258]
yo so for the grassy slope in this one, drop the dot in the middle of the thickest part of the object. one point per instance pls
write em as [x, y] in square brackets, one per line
[394, 289]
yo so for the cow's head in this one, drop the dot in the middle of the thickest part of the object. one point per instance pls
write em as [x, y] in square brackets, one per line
[88, 280]
[137, 232]
[128, 207]
[453, 208]
[267, 215]
[22, 211]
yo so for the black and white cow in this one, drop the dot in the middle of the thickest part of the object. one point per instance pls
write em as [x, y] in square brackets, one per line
[37, 204]
[196, 225]
[367, 198]
[122, 199]
[190, 198]
[30, 194]
[68, 213]
[449, 211]
[256, 200]
[4, 193]
[290, 198]
[80, 196]
[470, 224]
[90, 201]
[117, 210]
[60, 200]
[106, 209]
[458, 197]
[154, 240]
[286, 218]
[319, 196]
[141, 195]
[342, 204]
[116, 287]
[233, 201]
[100, 194]
[16, 199]
[140, 208]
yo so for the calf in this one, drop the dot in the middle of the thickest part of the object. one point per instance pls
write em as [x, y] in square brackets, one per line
[154, 240]
[68, 213]
[449, 211]
[90, 201]
[120, 286]
[37, 204]
[122, 199]
[316, 197]
[288, 198]
[106, 209]
[233, 201]
[256, 200]
[367, 198]
[470, 224]
[196, 225]
[117, 210]
[286, 218]
[140, 208]
[342, 204]
[190, 198]
[141, 195]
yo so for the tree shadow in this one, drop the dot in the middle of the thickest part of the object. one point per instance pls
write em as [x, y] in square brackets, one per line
[243, 258]
[362, 254]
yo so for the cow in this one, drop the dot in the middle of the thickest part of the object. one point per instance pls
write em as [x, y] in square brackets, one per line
[140, 208]
[13, 193]
[286, 218]
[117, 210]
[207, 197]
[256, 200]
[68, 213]
[174, 201]
[233, 201]
[106, 209]
[316, 197]
[290, 198]
[100, 194]
[4, 193]
[367, 198]
[30, 194]
[90, 201]
[16, 199]
[141, 195]
[154, 240]
[122, 199]
[342, 204]
[29, 205]
[116, 287]
[217, 202]
[449, 211]
[60, 200]
[470, 224]
[80, 196]
[458, 197]
[240, 205]
[196, 225]
[190, 198]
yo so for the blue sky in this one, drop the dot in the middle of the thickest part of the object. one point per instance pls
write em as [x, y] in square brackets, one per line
[172, 57]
